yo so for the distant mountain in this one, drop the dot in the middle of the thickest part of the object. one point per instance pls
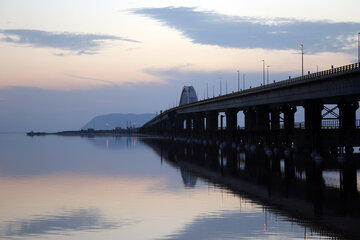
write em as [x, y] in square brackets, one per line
[114, 120]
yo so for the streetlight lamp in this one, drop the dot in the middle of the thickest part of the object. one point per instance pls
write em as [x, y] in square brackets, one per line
[267, 81]
[263, 71]
[302, 59]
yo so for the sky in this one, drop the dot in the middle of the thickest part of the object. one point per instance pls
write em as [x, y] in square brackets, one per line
[65, 62]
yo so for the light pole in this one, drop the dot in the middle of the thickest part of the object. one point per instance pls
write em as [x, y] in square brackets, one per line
[244, 81]
[226, 86]
[207, 90]
[220, 87]
[358, 47]
[267, 81]
[302, 59]
[263, 71]
[238, 80]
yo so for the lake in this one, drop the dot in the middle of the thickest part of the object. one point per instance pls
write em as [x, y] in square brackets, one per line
[56, 187]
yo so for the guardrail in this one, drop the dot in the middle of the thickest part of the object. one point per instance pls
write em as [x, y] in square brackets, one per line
[325, 124]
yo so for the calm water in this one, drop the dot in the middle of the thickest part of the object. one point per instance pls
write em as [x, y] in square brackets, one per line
[57, 187]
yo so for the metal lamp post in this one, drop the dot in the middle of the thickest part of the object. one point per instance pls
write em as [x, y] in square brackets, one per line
[238, 80]
[263, 71]
[244, 81]
[358, 47]
[302, 59]
[220, 87]
[267, 80]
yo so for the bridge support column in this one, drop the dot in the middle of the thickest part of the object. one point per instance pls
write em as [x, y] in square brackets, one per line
[250, 119]
[178, 123]
[262, 118]
[313, 117]
[173, 123]
[188, 123]
[231, 120]
[275, 119]
[262, 123]
[348, 115]
[198, 122]
[289, 112]
[212, 122]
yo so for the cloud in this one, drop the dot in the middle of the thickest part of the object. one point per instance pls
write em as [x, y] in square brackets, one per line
[74, 42]
[251, 32]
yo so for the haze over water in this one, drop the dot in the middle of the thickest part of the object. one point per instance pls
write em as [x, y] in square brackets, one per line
[58, 187]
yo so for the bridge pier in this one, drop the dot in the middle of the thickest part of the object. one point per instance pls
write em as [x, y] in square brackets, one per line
[262, 123]
[231, 122]
[250, 123]
[289, 116]
[174, 123]
[212, 122]
[274, 125]
[198, 122]
[348, 115]
[188, 123]
[275, 119]
[250, 119]
[313, 118]
[262, 118]
[179, 125]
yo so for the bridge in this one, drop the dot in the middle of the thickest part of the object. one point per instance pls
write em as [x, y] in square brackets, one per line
[269, 111]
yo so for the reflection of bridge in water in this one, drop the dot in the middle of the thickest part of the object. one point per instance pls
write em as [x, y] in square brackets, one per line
[271, 148]
[329, 100]
[289, 180]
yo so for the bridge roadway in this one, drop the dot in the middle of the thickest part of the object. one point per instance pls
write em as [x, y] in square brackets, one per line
[263, 105]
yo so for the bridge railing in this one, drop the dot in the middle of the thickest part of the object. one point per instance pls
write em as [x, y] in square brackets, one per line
[338, 70]
[330, 124]
[342, 69]
[325, 124]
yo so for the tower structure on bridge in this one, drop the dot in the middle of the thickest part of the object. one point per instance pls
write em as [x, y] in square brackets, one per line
[188, 95]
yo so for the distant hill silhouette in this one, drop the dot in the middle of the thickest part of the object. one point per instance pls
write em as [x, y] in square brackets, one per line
[114, 120]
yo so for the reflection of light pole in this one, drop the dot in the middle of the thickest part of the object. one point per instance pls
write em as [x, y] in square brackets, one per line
[267, 81]
[263, 71]
[238, 80]
[302, 59]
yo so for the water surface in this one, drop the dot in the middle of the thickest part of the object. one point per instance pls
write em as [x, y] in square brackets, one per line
[55, 187]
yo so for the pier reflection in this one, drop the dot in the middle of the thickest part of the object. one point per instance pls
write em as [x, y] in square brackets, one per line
[310, 185]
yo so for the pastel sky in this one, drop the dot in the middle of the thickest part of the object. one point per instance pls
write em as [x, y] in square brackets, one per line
[64, 62]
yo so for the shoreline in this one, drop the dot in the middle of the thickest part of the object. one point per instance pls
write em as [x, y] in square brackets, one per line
[87, 133]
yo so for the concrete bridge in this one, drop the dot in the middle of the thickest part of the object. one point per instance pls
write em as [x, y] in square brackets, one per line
[269, 110]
